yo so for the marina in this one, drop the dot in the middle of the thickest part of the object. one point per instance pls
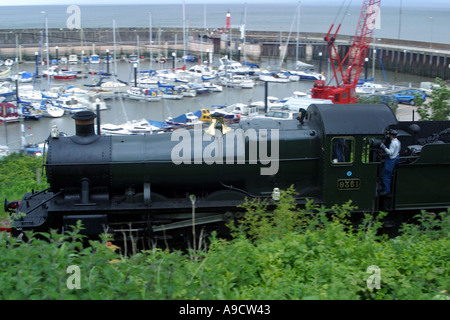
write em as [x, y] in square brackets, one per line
[121, 109]
[137, 74]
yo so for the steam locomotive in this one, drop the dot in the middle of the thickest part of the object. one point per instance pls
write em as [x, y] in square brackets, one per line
[156, 185]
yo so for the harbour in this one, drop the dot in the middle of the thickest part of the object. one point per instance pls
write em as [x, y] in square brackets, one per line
[121, 109]
[397, 62]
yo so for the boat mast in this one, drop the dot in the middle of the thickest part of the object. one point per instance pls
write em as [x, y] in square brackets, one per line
[150, 39]
[114, 54]
[244, 27]
[184, 28]
[283, 53]
[138, 53]
[298, 32]
[46, 46]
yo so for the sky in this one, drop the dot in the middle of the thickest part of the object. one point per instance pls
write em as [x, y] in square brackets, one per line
[428, 3]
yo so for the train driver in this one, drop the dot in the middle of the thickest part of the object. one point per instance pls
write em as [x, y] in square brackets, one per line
[391, 161]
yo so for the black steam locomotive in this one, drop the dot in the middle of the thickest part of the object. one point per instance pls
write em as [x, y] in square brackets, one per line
[154, 184]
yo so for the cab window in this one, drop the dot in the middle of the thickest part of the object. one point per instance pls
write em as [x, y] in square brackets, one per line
[342, 150]
[371, 152]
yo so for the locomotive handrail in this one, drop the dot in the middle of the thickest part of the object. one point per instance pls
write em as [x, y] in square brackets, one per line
[43, 202]
[157, 161]
[37, 193]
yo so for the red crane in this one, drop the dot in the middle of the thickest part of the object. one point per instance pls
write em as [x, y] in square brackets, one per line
[344, 91]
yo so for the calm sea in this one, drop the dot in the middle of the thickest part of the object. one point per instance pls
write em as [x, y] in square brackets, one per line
[407, 23]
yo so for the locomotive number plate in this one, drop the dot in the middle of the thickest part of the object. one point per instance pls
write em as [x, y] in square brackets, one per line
[348, 184]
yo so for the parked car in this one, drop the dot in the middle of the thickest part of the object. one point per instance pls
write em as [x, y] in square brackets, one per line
[408, 96]
[386, 99]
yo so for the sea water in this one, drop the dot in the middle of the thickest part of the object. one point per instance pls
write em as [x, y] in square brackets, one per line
[425, 23]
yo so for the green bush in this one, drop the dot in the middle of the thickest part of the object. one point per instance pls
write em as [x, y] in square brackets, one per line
[438, 107]
[312, 253]
[18, 175]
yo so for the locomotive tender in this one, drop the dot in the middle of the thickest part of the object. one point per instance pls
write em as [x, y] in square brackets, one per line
[145, 183]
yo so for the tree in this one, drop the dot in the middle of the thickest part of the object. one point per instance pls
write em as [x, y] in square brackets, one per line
[438, 107]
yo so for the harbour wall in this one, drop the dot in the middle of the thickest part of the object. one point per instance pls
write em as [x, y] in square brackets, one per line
[411, 57]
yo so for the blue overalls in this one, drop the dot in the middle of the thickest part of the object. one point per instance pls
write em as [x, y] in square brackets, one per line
[388, 170]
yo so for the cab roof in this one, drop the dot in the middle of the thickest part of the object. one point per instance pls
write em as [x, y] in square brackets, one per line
[352, 118]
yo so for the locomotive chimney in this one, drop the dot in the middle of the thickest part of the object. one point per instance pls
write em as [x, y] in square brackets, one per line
[84, 123]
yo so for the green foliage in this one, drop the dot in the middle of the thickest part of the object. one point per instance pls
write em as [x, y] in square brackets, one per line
[18, 175]
[311, 253]
[438, 108]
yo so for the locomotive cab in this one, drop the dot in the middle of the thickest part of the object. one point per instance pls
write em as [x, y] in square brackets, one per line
[349, 170]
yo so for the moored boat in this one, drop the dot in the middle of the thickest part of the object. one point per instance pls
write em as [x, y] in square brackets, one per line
[114, 86]
[29, 111]
[274, 77]
[50, 109]
[151, 95]
[8, 113]
[172, 94]
[73, 59]
[95, 59]
[22, 77]
[70, 104]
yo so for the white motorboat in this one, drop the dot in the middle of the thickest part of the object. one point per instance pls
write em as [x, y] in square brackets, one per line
[133, 127]
[73, 59]
[369, 88]
[237, 81]
[272, 102]
[70, 104]
[228, 66]
[274, 77]
[28, 94]
[147, 82]
[212, 87]
[50, 109]
[244, 110]
[246, 82]
[114, 86]
[202, 71]
[139, 127]
[136, 93]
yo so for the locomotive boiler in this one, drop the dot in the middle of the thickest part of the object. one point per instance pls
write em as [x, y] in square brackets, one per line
[153, 184]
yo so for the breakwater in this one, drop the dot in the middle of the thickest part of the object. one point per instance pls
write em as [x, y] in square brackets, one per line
[412, 57]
